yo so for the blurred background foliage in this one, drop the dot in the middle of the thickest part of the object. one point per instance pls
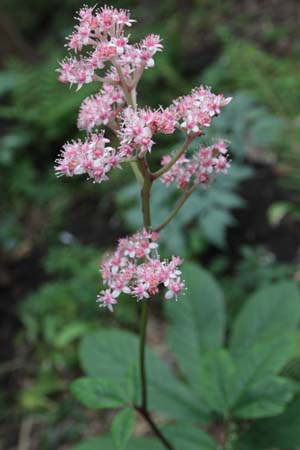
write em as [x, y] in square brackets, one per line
[245, 228]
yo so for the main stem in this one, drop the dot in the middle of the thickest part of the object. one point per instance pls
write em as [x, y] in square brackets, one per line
[143, 331]
[145, 178]
[145, 197]
[143, 409]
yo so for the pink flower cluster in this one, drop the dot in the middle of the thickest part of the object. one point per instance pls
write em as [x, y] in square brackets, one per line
[95, 24]
[92, 157]
[197, 110]
[199, 168]
[103, 30]
[135, 268]
[138, 127]
[190, 114]
[102, 108]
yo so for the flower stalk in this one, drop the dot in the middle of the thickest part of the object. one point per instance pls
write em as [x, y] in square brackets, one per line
[135, 268]
[143, 409]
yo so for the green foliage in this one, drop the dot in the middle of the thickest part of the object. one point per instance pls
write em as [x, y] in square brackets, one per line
[280, 432]
[208, 213]
[270, 80]
[122, 428]
[56, 313]
[181, 436]
[259, 268]
[41, 114]
[43, 104]
[56, 316]
[201, 322]
[237, 383]
[99, 393]
[248, 124]
[216, 377]
[244, 65]
[113, 355]
[264, 398]
[279, 312]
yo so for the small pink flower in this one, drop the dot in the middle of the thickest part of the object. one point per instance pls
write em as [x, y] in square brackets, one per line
[92, 157]
[100, 109]
[174, 289]
[135, 268]
[141, 291]
[198, 169]
[197, 110]
[107, 299]
[76, 71]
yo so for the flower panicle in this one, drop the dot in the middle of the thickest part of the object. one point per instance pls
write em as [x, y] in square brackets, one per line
[135, 269]
[103, 32]
[92, 157]
[200, 168]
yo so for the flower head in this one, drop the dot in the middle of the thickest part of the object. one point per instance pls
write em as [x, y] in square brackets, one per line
[100, 109]
[103, 31]
[92, 157]
[138, 127]
[200, 168]
[196, 111]
[136, 269]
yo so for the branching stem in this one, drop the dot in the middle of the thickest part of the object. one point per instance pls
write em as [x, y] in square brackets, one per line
[145, 414]
[175, 158]
[145, 179]
[179, 205]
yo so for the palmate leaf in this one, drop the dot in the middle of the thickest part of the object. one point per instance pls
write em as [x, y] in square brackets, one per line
[107, 443]
[217, 376]
[122, 427]
[266, 398]
[270, 313]
[262, 341]
[197, 324]
[281, 432]
[182, 436]
[113, 355]
[99, 393]
[225, 392]
[264, 333]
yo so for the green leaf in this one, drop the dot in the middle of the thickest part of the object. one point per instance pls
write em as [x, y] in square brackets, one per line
[70, 332]
[99, 393]
[262, 341]
[196, 324]
[186, 436]
[216, 380]
[106, 443]
[264, 334]
[260, 362]
[271, 312]
[182, 436]
[108, 354]
[281, 432]
[267, 398]
[113, 354]
[122, 428]
[214, 224]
